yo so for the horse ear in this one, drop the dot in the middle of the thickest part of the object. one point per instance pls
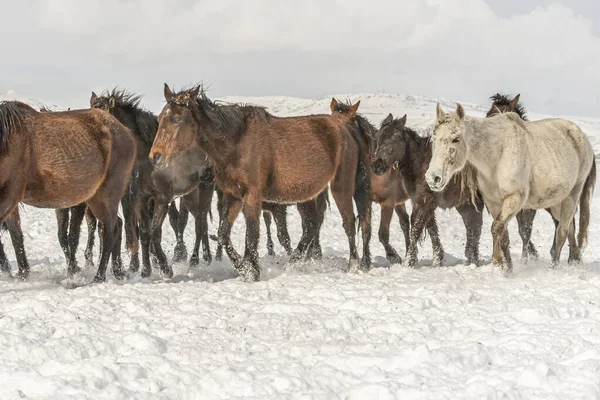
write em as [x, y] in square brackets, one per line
[439, 112]
[354, 109]
[402, 121]
[333, 105]
[194, 93]
[513, 103]
[111, 102]
[168, 93]
[460, 112]
[388, 119]
[93, 98]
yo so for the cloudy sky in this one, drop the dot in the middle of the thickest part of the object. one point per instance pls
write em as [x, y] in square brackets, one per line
[549, 51]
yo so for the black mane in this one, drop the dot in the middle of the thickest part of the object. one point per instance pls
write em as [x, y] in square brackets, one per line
[228, 118]
[500, 99]
[146, 123]
[11, 119]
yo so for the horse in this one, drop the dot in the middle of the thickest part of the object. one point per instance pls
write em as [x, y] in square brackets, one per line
[387, 190]
[399, 147]
[503, 104]
[257, 156]
[533, 165]
[38, 154]
[145, 203]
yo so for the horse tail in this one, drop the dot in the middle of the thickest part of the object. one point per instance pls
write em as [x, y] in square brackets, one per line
[584, 204]
[362, 179]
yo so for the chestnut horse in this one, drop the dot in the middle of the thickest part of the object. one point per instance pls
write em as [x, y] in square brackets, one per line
[257, 156]
[40, 151]
[398, 146]
[387, 190]
[146, 202]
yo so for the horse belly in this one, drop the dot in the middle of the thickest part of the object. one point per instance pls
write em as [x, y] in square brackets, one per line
[61, 179]
[294, 185]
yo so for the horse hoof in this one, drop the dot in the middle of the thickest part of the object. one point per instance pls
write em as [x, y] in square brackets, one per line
[22, 275]
[167, 272]
[99, 279]
[295, 257]
[365, 264]
[218, 258]
[207, 259]
[394, 259]
[194, 262]
[146, 273]
[271, 253]
[248, 272]
[180, 253]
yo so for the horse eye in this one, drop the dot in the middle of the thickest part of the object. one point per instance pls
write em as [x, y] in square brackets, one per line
[176, 121]
[455, 140]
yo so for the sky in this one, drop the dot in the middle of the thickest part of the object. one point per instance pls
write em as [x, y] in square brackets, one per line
[465, 50]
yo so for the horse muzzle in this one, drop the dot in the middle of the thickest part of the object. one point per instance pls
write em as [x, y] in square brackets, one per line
[379, 167]
[158, 160]
[435, 182]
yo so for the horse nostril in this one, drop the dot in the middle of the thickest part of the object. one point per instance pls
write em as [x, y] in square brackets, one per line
[437, 179]
[156, 158]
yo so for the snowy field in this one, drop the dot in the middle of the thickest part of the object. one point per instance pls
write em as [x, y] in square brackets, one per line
[309, 330]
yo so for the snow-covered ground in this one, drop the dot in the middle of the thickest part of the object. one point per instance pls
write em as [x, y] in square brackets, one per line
[310, 331]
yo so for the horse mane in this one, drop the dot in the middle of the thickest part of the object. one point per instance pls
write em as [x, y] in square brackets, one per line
[362, 122]
[146, 123]
[11, 119]
[501, 99]
[230, 119]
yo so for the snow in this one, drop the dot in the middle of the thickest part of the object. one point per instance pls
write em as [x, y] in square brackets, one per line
[309, 330]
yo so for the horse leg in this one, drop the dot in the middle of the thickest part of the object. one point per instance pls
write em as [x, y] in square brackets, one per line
[106, 212]
[510, 206]
[307, 214]
[314, 250]
[205, 195]
[404, 220]
[92, 223]
[178, 221]
[160, 213]
[250, 269]
[565, 212]
[280, 217]
[13, 224]
[473, 221]
[231, 208]
[221, 212]
[270, 244]
[62, 221]
[525, 221]
[387, 212]
[4, 263]
[436, 244]
[131, 214]
[77, 215]
[191, 202]
[343, 200]
[117, 263]
[362, 198]
[144, 225]
[422, 211]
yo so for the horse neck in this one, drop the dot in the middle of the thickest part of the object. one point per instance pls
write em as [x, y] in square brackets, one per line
[480, 151]
[219, 147]
[417, 156]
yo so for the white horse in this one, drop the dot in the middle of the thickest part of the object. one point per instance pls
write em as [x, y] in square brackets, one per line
[543, 164]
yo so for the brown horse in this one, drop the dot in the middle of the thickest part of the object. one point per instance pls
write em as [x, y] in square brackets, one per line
[256, 156]
[146, 202]
[40, 151]
[501, 103]
[400, 147]
[387, 190]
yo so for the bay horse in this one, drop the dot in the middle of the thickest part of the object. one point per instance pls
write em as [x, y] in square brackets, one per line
[548, 163]
[146, 202]
[387, 190]
[399, 147]
[257, 156]
[503, 104]
[38, 154]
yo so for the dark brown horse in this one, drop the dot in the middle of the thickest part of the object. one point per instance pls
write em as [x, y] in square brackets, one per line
[397, 146]
[40, 151]
[501, 103]
[256, 156]
[146, 202]
[387, 190]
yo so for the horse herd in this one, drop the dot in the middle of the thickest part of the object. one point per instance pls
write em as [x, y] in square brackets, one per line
[84, 163]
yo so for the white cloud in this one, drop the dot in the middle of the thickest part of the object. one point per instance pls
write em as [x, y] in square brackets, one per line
[451, 48]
